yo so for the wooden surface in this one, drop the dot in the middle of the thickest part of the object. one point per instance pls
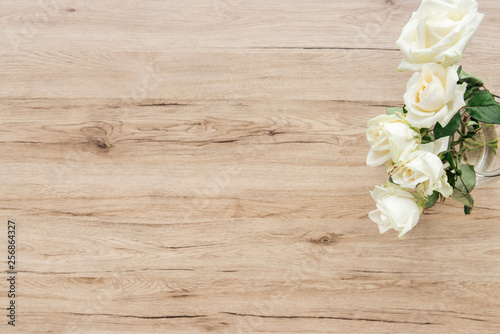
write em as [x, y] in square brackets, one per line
[199, 167]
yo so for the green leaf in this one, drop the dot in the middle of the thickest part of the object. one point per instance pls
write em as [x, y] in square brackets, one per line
[449, 129]
[467, 210]
[431, 200]
[473, 127]
[473, 82]
[467, 180]
[428, 138]
[447, 156]
[393, 110]
[451, 178]
[466, 200]
[483, 107]
[470, 79]
[470, 92]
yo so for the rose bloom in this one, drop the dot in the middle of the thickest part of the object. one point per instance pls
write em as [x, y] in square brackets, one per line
[433, 95]
[425, 170]
[439, 32]
[437, 146]
[391, 138]
[396, 209]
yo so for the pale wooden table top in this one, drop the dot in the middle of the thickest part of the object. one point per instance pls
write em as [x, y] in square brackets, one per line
[199, 166]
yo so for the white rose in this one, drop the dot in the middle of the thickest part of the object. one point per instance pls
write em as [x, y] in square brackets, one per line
[441, 186]
[391, 138]
[439, 32]
[396, 209]
[425, 170]
[436, 146]
[433, 95]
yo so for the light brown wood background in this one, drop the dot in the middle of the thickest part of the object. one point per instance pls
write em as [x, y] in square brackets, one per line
[199, 167]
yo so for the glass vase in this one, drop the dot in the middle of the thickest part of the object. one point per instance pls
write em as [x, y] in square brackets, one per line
[484, 154]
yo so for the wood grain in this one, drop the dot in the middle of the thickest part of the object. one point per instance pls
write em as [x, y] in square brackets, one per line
[199, 167]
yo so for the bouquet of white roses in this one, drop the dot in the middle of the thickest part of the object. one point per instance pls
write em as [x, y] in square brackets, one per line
[423, 143]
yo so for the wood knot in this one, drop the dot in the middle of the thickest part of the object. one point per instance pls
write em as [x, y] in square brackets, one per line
[70, 10]
[326, 240]
[198, 125]
[101, 143]
[98, 136]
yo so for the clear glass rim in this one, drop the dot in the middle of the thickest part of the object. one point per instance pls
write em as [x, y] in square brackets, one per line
[489, 174]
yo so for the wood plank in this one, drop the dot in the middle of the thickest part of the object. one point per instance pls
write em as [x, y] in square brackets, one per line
[161, 25]
[165, 25]
[219, 75]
